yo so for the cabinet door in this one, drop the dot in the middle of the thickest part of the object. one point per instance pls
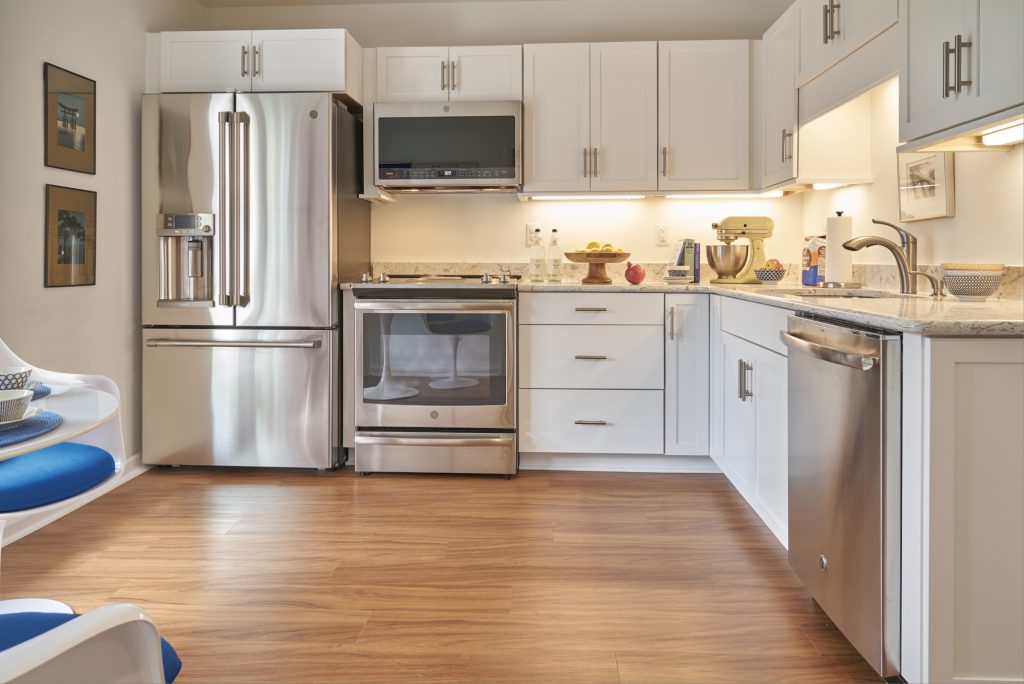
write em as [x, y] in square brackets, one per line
[687, 376]
[817, 52]
[738, 422]
[704, 115]
[925, 108]
[412, 74]
[623, 116]
[780, 101]
[488, 72]
[205, 61]
[771, 452]
[996, 60]
[556, 116]
[862, 20]
[303, 61]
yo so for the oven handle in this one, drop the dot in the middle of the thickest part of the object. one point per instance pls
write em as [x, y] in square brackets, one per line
[435, 306]
[404, 439]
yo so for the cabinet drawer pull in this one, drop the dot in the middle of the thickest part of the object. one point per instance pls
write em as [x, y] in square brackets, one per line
[591, 422]
[946, 52]
[591, 357]
[959, 46]
[245, 61]
[591, 309]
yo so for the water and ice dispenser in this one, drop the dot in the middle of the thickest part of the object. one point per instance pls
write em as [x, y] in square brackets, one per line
[186, 259]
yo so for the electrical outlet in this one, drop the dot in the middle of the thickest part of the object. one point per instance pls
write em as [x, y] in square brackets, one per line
[661, 235]
[530, 228]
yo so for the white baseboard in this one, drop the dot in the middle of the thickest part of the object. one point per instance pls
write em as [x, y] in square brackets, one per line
[621, 463]
[16, 529]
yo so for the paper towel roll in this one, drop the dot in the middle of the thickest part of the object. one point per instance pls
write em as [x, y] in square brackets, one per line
[839, 265]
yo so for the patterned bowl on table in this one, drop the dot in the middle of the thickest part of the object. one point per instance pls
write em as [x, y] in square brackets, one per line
[770, 275]
[13, 404]
[972, 287]
[14, 377]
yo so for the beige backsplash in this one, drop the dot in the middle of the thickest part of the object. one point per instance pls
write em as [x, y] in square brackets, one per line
[877, 276]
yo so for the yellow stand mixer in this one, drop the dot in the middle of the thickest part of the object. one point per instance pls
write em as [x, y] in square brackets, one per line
[735, 264]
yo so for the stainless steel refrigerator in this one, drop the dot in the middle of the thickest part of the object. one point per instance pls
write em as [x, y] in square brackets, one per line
[250, 219]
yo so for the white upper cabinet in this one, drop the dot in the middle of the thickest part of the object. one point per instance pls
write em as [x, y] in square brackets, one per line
[487, 72]
[832, 29]
[327, 60]
[205, 61]
[780, 101]
[412, 74]
[623, 116]
[556, 117]
[945, 83]
[590, 116]
[704, 146]
[439, 74]
[306, 60]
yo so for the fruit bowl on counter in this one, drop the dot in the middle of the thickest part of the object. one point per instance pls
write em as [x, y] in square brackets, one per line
[597, 256]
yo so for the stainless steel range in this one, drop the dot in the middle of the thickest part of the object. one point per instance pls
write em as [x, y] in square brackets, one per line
[434, 376]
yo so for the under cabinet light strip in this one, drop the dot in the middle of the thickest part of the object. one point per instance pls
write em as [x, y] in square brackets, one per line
[587, 197]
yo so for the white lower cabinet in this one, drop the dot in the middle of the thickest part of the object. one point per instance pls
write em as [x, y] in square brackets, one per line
[687, 375]
[591, 421]
[591, 357]
[754, 451]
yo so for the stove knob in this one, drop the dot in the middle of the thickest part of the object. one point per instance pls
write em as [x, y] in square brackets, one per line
[485, 279]
[383, 279]
[366, 278]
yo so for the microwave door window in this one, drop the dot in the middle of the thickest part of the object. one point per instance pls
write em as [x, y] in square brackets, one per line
[422, 148]
[434, 359]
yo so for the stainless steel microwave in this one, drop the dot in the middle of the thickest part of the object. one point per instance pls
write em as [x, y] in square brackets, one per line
[448, 145]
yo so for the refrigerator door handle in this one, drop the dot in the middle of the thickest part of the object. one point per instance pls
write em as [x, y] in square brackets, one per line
[224, 121]
[244, 254]
[240, 344]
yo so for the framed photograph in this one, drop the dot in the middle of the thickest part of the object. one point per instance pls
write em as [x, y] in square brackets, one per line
[70, 237]
[70, 120]
[926, 185]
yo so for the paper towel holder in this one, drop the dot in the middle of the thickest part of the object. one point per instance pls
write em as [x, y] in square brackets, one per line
[838, 285]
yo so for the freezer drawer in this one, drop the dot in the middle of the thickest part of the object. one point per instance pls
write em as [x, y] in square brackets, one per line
[263, 398]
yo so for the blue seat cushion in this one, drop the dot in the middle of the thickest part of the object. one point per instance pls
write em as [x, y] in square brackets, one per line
[51, 474]
[18, 627]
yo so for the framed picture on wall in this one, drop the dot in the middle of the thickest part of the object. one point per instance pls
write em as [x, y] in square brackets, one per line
[70, 237]
[70, 120]
[926, 185]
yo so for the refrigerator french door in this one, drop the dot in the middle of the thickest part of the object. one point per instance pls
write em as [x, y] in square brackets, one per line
[239, 276]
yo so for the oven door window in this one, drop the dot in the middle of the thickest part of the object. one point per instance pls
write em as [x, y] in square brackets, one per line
[435, 359]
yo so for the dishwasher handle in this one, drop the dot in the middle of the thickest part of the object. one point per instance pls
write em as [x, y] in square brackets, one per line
[850, 360]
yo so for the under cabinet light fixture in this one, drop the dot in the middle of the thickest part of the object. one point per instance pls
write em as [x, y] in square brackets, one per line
[827, 186]
[1005, 134]
[587, 197]
[771, 194]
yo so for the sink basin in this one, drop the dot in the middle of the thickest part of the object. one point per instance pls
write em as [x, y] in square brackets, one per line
[825, 292]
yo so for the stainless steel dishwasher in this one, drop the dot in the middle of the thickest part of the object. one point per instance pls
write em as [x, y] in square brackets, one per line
[844, 480]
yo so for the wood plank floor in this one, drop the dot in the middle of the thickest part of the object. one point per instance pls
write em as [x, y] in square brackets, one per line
[270, 576]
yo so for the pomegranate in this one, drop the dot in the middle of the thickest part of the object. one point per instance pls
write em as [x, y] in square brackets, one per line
[635, 273]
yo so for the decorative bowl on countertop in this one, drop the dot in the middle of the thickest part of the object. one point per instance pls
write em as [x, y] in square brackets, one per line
[972, 287]
[597, 274]
[14, 377]
[13, 404]
[770, 275]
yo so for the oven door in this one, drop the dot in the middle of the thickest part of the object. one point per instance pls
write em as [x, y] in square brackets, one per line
[435, 364]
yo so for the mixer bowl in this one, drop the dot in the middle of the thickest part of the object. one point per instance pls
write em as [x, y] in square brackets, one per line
[727, 260]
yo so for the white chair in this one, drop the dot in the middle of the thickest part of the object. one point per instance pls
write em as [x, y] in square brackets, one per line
[117, 643]
[107, 435]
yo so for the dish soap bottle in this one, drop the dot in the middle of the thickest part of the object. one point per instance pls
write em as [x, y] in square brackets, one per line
[538, 258]
[554, 258]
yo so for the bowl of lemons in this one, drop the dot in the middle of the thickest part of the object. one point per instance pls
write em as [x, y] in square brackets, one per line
[597, 255]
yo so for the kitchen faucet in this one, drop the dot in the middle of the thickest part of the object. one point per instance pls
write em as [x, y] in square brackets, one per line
[905, 254]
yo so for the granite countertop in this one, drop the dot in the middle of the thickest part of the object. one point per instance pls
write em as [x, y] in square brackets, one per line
[920, 314]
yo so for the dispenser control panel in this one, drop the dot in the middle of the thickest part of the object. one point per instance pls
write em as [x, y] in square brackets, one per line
[173, 225]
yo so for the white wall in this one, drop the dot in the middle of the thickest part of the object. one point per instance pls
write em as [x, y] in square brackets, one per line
[377, 24]
[80, 329]
[989, 221]
[493, 228]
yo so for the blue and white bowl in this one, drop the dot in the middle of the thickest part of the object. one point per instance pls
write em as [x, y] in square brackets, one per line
[13, 404]
[770, 275]
[14, 377]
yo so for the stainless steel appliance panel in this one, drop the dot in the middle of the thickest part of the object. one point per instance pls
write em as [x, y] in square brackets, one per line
[185, 170]
[286, 220]
[264, 398]
[844, 480]
[436, 452]
[416, 396]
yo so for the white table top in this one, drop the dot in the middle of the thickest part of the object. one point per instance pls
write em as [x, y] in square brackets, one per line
[82, 409]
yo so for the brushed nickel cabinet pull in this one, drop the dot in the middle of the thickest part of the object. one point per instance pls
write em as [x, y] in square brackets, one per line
[826, 31]
[591, 309]
[444, 75]
[454, 82]
[255, 61]
[959, 45]
[591, 357]
[833, 32]
[591, 422]
[594, 162]
[245, 61]
[586, 163]
[946, 87]
[664, 161]
[672, 323]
